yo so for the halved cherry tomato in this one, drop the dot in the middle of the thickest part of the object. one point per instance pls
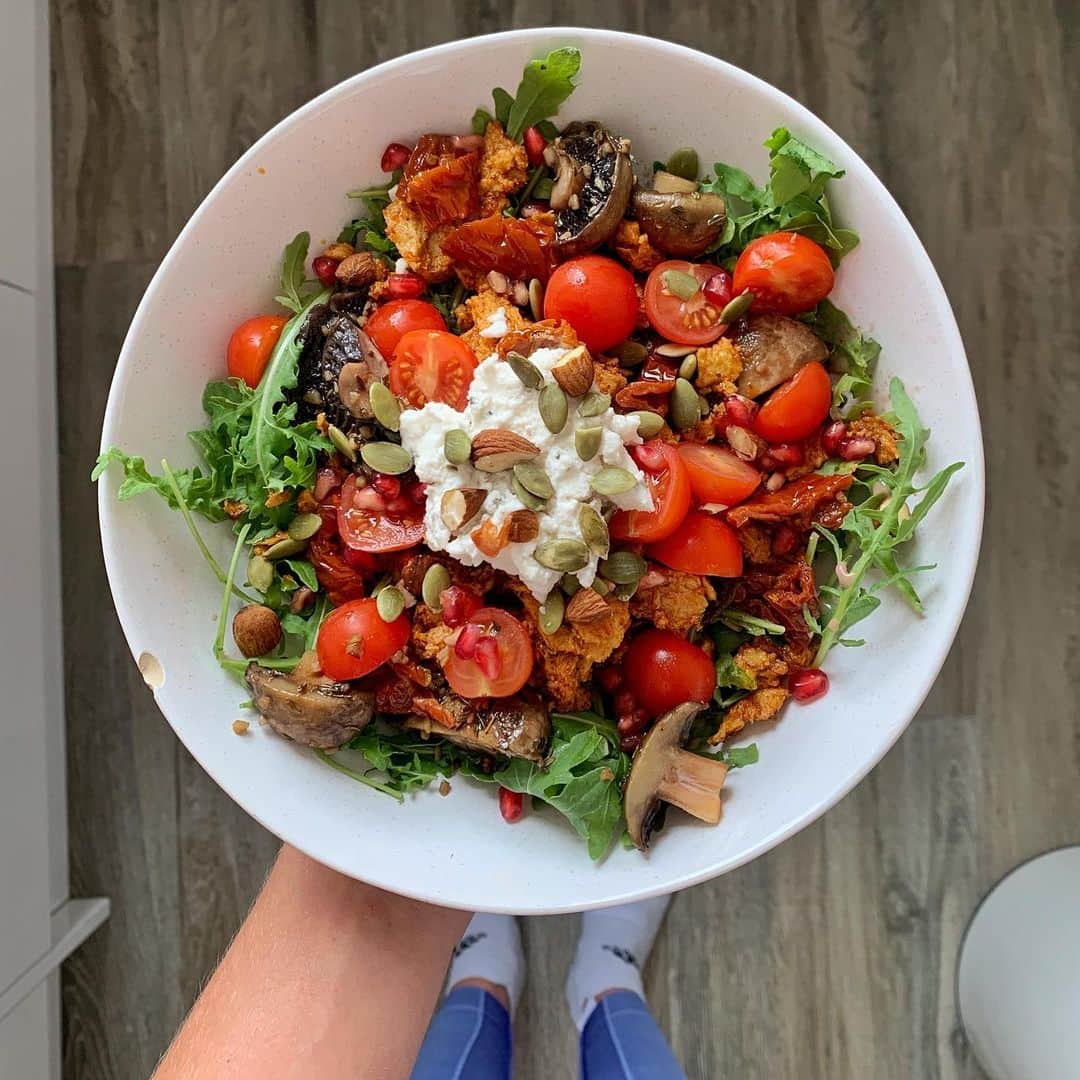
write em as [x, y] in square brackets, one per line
[596, 296]
[691, 321]
[354, 640]
[669, 486]
[369, 521]
[496, 662]
[250, 347]
[795, 409]
[662, 670]
[702, 544]
[389, 322]
[717, 475]
[787, 273]
[432, 365]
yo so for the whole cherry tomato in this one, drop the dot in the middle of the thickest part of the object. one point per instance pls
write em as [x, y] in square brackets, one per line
[596, 296]
[787, 273]
[354, 640]
[795, 409]
[389, 322]
[662, 670]
[250, 347]
[668, 483]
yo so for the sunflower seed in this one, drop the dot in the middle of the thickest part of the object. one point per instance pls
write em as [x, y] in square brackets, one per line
[436, 580]
[526, 497]
[385, 406]
[684, 162]
[587, 442]
[737, 307]
[342, 443]
[630, 353]
[683, 406]
[386, 458]
[390, 603]
[594, 530]
[304, 526]
[680, 284]
[593, 403]
[622, 568]
[283, 549]
[554, 408]
[648, 423]
[688, 368]
[536, 299]
[532, 478]
[530, 375]
[457, 446]
[552, 611]
[612, 481]
[260, 573]
[562, 554]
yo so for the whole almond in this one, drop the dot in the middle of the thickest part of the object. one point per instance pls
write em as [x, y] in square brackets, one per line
[460, 505]
[495, 449]
[575, 372]
[356, 270]
[524, 526]
[586, 606]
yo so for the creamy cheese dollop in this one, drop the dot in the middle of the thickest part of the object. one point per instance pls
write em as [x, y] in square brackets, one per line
[497, 399]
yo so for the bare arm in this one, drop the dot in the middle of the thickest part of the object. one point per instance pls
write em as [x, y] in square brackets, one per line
[327, 977]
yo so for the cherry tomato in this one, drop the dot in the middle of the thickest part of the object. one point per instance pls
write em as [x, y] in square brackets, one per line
[354, 640]
[387, 324]
[663, 670]
[717, 475]
[369, 521]
[691, 321]
[669, 485]
[497, 659]
[702, 544]
[596, 296]
[250, 347]
[787, 273]
[432, 365]
[795, 409]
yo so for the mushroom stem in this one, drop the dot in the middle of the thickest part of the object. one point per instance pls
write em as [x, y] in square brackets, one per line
[692, 783]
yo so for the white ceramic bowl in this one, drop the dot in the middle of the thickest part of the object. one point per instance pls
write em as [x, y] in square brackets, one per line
[222, 268]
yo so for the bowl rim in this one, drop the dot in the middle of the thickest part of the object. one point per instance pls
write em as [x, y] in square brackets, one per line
[295, 834]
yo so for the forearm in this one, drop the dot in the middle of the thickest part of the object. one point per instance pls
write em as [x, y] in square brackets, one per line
[327, 977]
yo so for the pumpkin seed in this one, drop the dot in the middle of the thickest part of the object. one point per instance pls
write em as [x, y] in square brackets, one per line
[283, 549]
[526, 497]
[594, 530]
[680, 284]
[737, 307]
[385, 406]
[683, 406]
[612, 480]
[386, 457]
[260, 573]
[532, 478]
[622, 568]
[569, 584]
[552, 611]
[684, 162]
[436, 580]
[630, 353]
[704, 408]
[304, 526]
[593, 404]
[648, 423]
[342, 443]
[457, 446]
[601, 587]
[625, 592]
[530, 375]
[554, 408]
[673, 351]
[390, 603]
[536, 299]
[562, 554]
[587, 442]
[688, 368]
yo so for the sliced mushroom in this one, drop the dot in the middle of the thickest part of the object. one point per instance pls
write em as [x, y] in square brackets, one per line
[668, 183]
[511, 727]
[681, 223]
[593, 178]
[309, 708]
[773, 348]
[662, 771]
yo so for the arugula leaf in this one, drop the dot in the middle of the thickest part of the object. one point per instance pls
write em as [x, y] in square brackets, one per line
[730, 676]
[295, 288]
[369, 230]
[480, 120]
[545, 85]
[854, 354]
[199, 489]
[751, 624]
[408, 761]
[738, 757]
[503, 104]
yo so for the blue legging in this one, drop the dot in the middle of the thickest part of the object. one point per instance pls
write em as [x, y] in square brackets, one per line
[469, 1039]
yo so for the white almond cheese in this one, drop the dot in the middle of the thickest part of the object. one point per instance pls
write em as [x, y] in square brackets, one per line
[497, 399]
[496, 326]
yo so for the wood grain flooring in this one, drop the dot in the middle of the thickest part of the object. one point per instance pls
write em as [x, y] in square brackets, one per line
[833, 956]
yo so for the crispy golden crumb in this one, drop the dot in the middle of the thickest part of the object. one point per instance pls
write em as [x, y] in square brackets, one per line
[763, 661]
[419, 247]
[707, 429]
[430, 635]
[240, 727]
[883, 434]
[719, 366]
[479, 309]
[752, 709]
[503, 169]
[671, 599]
[634, 248]
[608, 378]
[756, 544]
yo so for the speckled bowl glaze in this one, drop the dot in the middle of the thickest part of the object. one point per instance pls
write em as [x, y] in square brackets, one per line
[456, 850]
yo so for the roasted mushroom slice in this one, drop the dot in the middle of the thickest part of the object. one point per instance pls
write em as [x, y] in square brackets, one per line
[310, 709]
[593, 178]
[510, 728]
[662, 771]
[680, 223]
[773, 348]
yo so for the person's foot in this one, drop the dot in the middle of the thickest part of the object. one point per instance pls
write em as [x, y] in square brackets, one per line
[613, 947]
[489, 955]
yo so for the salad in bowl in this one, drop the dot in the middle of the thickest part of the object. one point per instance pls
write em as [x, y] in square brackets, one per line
[557, 469]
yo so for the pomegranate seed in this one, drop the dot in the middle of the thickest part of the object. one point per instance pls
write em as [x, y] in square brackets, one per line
[856, 449]
[611, 678]
[389, 487]
[467, 143]
[394, 157]
[328, 480]
[833, 436]
[786, 455]
[809, 685]
[487, 656]
[406, 286]
[641, 717]
[417, 491]
[468, 640]
[624, 703]
[511, 805]
[458, 603]
[534, 146]
[325, 268]
[740, 411]
[785, 540]
[629, 743]
[767, 462]
[649, 456]
[718, 289]
[534, 207]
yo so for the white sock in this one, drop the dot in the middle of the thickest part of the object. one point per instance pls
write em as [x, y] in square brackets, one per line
[611, 952]
[490, 949]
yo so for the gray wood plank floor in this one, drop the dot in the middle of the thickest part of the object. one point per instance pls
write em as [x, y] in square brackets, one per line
[833, 956]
